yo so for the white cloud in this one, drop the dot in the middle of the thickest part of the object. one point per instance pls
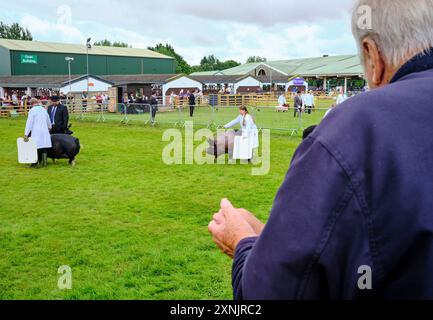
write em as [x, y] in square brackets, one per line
[276, 29]
[49, 31]
[266, 12]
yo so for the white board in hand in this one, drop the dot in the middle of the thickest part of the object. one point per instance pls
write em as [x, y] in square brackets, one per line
[27, 151]
[242, 148]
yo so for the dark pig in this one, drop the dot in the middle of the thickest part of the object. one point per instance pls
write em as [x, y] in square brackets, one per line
[64, 147]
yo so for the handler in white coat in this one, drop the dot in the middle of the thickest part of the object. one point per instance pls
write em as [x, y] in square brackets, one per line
[38, 126]
[249, 129]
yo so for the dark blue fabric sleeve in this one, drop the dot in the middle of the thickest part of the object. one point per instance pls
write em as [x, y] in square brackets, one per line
[283, 261]
[242, 251]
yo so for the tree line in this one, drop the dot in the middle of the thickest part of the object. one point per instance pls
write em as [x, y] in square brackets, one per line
[15, 32]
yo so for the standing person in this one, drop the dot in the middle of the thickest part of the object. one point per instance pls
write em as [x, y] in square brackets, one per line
[59, 116]
[6, 100]
[298, 104]
[341, 96]
[309, 102]
[38, 126]
[172, 100]
[99, 101]
[84, 97]
[191, 101]
[14, 98]
[153, 107]
[361, 229]
[105, 100]
[282, 102]
[249, 128]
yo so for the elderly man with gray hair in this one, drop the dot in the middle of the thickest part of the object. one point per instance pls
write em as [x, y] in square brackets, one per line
[354, 216]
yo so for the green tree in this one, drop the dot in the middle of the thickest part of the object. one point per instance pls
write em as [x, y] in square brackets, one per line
[15, 32]
[211, 63]
[229, 64]
[107, 43]
[254, 59]
[168, 50]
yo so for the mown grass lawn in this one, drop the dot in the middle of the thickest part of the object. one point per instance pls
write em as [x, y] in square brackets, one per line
[129, 226]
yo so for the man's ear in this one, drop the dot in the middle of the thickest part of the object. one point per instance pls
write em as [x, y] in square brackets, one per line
[374, 61]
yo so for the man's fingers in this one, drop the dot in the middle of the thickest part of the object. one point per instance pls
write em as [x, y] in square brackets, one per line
[224, 249]
[212, 227]
[226, 206]
[218, 217]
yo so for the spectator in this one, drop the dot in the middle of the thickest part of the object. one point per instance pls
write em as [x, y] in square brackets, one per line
[99, 100]
[298, 104]
[84, 101]
[309, 102]
[191, 101]
[59, 116]
[172, 100]
[362, 226]
[15, 100]
[341, 97]
[153, 107]
[282, 102]
[105, 101]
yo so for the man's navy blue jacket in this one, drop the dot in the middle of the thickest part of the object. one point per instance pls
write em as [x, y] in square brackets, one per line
[359, 192]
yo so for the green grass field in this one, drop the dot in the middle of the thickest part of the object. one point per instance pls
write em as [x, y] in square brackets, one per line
[129, 226]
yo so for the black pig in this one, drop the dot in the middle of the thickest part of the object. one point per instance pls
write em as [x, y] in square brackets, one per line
[64, 147]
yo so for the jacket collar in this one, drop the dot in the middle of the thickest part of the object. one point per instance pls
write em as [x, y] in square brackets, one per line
[419, 63]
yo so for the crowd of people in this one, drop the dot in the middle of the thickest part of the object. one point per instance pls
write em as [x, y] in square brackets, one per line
[305, 102]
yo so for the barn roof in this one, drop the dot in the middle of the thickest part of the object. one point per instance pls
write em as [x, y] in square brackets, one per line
[220, 79]
[344, 65]
[141, 79]
[58, 81]
[54, 47]
[206, 73]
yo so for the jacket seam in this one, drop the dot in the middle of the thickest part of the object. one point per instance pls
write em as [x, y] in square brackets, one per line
[351, 190]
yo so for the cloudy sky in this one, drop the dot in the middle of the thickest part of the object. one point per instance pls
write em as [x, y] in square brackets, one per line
[230, 29]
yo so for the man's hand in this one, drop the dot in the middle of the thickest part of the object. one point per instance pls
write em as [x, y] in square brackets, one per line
[255, 223]
[229, 226]
[26, 139]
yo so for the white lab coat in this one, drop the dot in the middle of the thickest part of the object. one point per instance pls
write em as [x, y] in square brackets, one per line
[249, 129]
[39, 125]
[309, 100]
[304, 99]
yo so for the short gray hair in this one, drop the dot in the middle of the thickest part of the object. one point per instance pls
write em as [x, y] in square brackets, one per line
[34, 101]
[400, 28]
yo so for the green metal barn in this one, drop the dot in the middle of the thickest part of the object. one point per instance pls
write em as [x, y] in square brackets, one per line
[19, 58]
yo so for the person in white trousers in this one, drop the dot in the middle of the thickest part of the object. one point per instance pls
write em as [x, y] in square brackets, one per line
[38, 126]
[249, 128]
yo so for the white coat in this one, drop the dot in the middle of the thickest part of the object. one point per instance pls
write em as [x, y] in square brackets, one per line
[341, 98]
[39, 125]
[248, 129]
